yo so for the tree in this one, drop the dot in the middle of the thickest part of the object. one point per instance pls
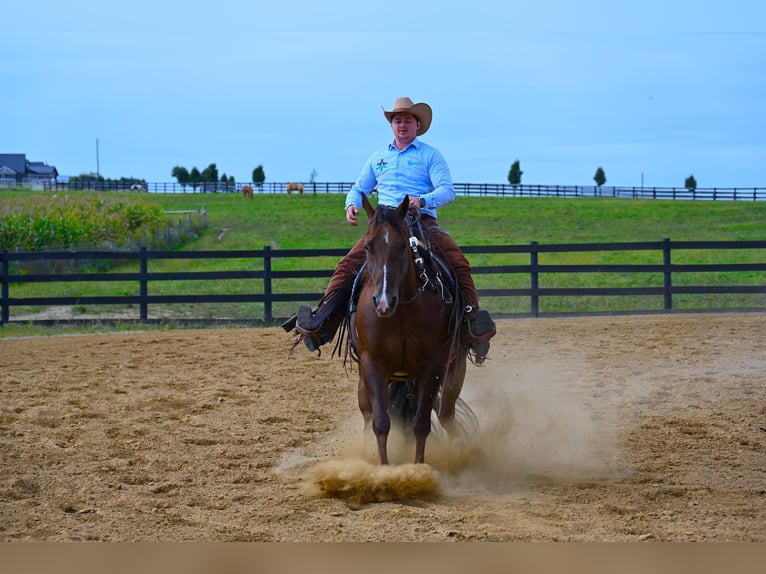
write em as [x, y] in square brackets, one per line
[514, 175]
[182, 176]
[690, 183]
[210, 173]
[600, 177]
[259, 176]
[195, 178]
[228, 182]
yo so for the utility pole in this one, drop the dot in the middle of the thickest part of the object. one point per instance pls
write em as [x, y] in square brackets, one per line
[98, 168]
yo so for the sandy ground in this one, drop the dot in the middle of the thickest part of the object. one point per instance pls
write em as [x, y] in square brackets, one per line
[591, 429]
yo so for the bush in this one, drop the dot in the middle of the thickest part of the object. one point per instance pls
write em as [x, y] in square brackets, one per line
[78, 221]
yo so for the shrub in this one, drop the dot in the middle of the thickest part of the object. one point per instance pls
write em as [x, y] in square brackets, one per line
[72, 221]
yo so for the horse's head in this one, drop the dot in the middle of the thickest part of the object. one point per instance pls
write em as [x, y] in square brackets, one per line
[387, 247]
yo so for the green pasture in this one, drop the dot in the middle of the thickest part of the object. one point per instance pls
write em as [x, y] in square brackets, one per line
[317, 221]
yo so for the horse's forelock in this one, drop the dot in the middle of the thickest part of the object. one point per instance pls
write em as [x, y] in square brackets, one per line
[388, 215]
[385, 218]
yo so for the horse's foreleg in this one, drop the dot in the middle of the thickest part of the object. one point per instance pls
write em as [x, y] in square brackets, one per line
[373, 402]
[381, 426]
[421, 428]
[421, 425]
[382, 440]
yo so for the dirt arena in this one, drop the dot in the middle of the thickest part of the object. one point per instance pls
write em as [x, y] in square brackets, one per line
[645, 428]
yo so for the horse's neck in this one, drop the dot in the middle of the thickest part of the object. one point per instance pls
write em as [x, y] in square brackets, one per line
[409, 283]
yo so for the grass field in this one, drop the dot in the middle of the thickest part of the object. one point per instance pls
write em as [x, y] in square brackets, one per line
[317, 221]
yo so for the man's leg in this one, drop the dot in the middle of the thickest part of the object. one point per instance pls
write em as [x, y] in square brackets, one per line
[319, 326]
[481, 327]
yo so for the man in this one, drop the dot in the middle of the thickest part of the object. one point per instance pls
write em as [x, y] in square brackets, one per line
[407, 166]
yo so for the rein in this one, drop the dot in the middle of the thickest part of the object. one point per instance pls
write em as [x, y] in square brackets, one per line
[434, 279]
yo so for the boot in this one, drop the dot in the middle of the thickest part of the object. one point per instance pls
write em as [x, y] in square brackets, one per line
[311, 337]
[319, 326]
[481, 328]
[316, 330]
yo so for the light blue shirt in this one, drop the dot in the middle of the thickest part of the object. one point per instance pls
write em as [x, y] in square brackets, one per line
[419, 170]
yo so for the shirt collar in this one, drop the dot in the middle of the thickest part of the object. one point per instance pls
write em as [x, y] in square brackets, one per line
[415, 143]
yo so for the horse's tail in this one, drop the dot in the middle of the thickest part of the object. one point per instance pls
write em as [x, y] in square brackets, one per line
[465, 422]
[403, 401]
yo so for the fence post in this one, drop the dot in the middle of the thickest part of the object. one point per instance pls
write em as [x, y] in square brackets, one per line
[4, 289]
[667, 274]
[143, 284]
[534, 279]
[267, 303]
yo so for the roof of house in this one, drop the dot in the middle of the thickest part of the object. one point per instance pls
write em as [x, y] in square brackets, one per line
[41, 168]
[17, 163]
[14, 161]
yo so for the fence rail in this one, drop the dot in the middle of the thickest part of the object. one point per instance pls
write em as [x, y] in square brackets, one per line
[462, 189]
[665, 271]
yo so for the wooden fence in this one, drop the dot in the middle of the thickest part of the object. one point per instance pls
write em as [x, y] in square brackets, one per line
[462, 189]
[15, 272]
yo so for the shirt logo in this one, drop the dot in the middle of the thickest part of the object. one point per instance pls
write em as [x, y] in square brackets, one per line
[381, 165]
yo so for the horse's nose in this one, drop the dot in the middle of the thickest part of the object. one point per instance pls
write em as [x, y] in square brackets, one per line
[384, 306]
[381, 305]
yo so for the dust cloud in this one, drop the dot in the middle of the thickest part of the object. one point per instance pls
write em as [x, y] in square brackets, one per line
[537, 425]
[361, 481]
[533, 426]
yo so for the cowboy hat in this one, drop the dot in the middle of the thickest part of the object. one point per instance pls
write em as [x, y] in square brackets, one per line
[420, 110]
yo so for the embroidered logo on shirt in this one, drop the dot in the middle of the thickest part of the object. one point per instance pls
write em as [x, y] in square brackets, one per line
[381, 165]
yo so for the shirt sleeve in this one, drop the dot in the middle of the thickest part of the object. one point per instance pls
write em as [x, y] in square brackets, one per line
[364, 184]
[441, 179]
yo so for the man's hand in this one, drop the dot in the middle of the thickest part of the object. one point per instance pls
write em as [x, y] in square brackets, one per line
[351, 214]
[414, 203]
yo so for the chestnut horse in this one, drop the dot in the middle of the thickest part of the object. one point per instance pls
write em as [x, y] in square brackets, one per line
[247, 191]
[405, 332]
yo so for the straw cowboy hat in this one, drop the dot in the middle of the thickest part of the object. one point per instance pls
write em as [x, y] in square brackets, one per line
[420, 110]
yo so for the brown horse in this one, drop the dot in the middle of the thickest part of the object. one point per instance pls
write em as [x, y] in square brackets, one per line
[406, 333]
[247, 191]
[291, 187]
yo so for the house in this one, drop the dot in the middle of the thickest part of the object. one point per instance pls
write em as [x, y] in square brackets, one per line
[15, 169]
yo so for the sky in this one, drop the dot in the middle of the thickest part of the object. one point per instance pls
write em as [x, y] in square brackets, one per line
[651, 91]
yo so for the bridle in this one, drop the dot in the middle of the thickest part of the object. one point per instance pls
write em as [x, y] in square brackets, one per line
[418, 244]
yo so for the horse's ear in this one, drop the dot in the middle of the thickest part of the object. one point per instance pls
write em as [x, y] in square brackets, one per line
[367, 206]
[404, 206]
